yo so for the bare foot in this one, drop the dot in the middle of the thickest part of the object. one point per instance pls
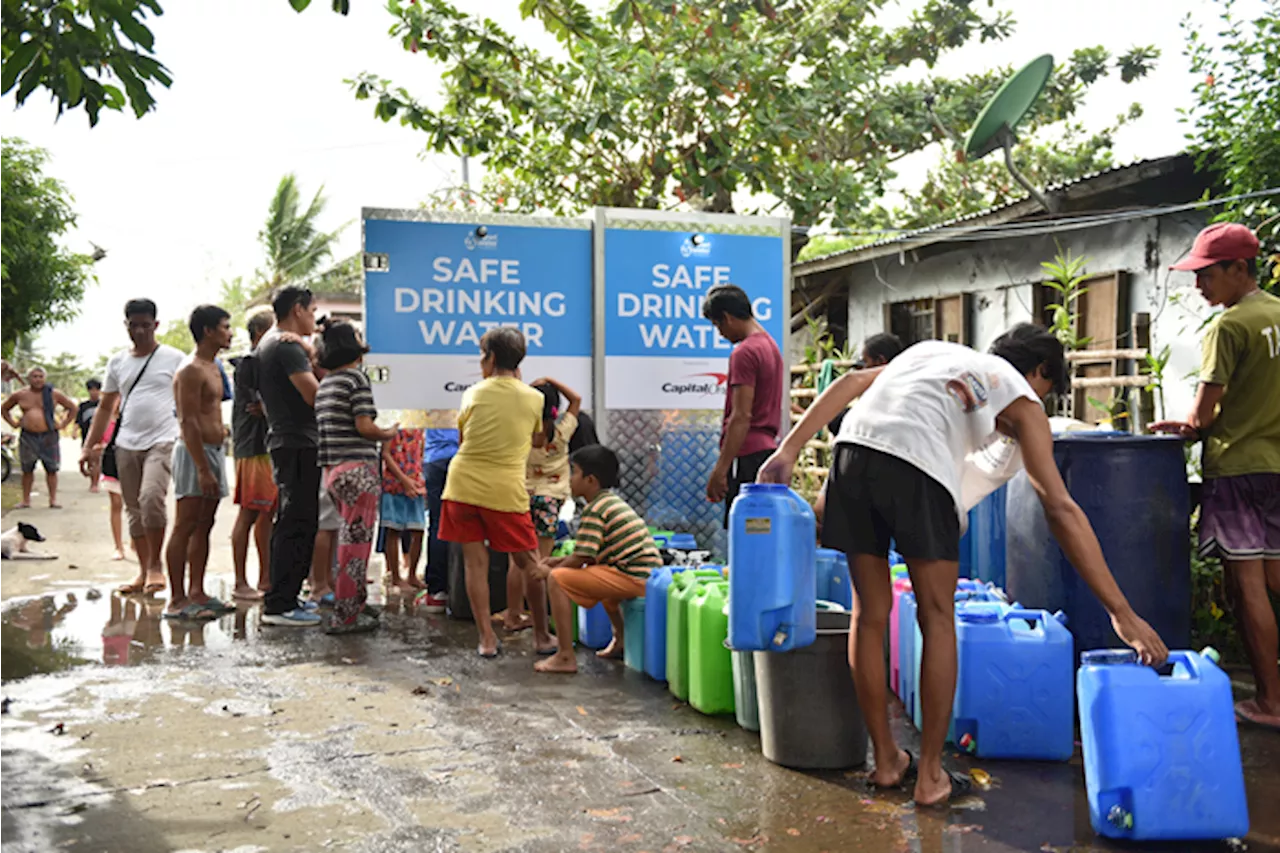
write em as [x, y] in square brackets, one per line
[117, 555]
[559, 662]
[93, 490]
[938, 790]
[415, 583]
[892, 775]
[1252, 711]
[55, 506]
[405, 588]
[488, 645]
[522, 622]
[247, 593]
[23, 505]
[613, 651]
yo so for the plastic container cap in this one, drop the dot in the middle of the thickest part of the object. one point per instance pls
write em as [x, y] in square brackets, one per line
[1108, 657]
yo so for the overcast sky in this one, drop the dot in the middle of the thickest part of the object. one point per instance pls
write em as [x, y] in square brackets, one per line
[177, 197]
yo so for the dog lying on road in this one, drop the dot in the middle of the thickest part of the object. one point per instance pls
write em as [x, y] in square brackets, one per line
[13, 543]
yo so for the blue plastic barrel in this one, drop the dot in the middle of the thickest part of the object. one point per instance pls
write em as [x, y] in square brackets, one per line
[772, 571]
[655, 621]
[594, 629]
[683, 542]
[982, 548]
[1013, 685]
[1161, 753]
[1134, 491]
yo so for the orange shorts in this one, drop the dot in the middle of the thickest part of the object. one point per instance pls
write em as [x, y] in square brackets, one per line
[590, 585]
[256, 484]
[506, 532]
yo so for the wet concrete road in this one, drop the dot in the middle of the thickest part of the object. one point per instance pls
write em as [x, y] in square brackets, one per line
[229, 736]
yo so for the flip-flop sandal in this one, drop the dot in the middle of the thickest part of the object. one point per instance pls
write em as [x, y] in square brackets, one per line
[131, 589]
[908, 775]
[961, 787]
[153, 588]
[217, 605]
[192, 613]
[549, 650]
[1255, 717]
[497, 650]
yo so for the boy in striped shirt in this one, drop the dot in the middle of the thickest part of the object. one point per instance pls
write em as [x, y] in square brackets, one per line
[611, 561]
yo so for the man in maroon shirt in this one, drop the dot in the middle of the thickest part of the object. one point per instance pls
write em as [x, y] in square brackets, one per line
[753, 406]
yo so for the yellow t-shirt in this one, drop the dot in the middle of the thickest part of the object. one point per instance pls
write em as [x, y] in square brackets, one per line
[548, 471]
[496, 423]
[1242, 352]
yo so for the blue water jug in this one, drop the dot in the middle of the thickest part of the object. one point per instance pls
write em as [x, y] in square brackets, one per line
[594, 628]
[682, 542]
[1161, 754]
[912, 643]
[907, 651]
[982, 548]
[772, 572]
[1013, 685]
[834, 583]
[655, 621]
[633, 634]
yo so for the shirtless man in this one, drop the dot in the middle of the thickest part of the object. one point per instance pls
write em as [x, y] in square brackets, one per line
[199, 466]
[40, 427]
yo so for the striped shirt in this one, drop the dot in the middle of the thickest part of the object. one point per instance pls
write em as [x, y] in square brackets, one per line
[611, 534]
[344, 395]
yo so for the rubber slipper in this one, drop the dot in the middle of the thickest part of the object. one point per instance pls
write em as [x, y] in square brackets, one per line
[131, 588]
[497, 650]
[192, 613]
[153, 587]
[1249, 712]
[217, 605]
[908, 775]
[961, 787]
[549, 650]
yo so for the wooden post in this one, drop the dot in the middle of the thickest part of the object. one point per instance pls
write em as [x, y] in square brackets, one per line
[1146, 408]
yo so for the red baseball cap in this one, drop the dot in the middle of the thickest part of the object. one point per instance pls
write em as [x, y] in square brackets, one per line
[1226, 241]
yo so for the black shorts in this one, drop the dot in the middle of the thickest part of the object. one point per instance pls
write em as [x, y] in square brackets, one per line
[873, 497]
[744, 471]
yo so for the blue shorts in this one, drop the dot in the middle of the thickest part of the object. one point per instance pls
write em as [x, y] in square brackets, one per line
[401, 512]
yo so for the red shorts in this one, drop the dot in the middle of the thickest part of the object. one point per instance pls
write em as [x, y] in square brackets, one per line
[505, 532]
[255, 484]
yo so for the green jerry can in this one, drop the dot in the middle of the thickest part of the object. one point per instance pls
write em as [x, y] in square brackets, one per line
[678, 594]
[710, 663]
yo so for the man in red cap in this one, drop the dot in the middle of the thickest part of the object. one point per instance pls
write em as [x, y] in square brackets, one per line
[1237, 416]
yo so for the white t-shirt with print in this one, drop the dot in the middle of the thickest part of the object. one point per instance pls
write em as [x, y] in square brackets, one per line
[935, 406]
[150, 414]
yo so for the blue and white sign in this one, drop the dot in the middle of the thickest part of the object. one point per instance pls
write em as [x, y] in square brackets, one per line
[659, 351]
[432, 289]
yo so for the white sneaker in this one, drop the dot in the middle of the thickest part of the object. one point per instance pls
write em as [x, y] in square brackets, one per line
[292, 619]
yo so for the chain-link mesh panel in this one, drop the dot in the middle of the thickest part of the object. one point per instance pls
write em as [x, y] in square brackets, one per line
[666, 458]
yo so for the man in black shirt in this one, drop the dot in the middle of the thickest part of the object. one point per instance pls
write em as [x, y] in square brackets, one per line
[84, 418]
[287, 387]
[256, 492]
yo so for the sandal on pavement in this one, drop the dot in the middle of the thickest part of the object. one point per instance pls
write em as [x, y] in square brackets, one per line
[1251, 713]
[497, 650]
[908, 775]
[961, 786]
[192, 613]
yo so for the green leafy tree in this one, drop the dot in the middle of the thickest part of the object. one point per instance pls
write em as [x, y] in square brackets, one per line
[746, 105]
[296, 248]
[67, 373]
[43, 283]
[90, 54]
[1235, 118]
[176, 334]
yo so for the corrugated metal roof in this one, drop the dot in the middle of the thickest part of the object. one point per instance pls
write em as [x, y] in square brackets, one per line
[1015, 210]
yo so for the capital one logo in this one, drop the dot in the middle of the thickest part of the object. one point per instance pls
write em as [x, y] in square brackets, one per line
[473, 242]
[702, 384]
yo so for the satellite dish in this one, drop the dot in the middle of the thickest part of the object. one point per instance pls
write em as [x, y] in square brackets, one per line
[995, 125]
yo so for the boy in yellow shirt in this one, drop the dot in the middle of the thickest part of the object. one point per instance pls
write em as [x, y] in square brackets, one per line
[484, 496]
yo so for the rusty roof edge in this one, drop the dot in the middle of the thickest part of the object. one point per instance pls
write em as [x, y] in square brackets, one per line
[1126, 175]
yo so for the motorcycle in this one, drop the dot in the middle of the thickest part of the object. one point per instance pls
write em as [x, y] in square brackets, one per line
[6, 456]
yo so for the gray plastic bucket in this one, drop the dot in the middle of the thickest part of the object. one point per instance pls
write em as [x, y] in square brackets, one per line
[746, 704]
[809, 714]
